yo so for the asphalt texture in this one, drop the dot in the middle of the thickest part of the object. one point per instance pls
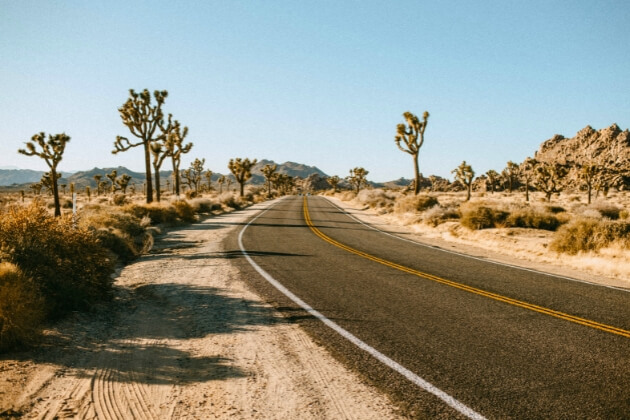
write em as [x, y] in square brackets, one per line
[500, 359]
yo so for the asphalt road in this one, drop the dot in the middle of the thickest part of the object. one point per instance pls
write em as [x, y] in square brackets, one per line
[504, 342]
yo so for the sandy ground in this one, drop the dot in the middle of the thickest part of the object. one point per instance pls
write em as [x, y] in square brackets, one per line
[184, 338]
[514, 246]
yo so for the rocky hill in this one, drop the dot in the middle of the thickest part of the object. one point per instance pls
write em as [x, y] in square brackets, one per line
[609, 147]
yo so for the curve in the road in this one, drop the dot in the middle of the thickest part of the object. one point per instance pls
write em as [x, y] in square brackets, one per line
[495, 296]
[422, 383]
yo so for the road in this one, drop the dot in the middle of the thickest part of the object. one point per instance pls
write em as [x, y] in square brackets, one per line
[486, 340]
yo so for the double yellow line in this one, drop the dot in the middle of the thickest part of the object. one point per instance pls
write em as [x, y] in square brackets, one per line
[495, 296]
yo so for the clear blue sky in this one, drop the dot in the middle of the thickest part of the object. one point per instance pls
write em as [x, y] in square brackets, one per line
[317, 82]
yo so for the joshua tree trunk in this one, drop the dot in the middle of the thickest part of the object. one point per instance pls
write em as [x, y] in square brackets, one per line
[55, 189]
[416, 171]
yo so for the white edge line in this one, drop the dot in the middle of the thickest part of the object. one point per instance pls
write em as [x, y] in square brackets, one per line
[427, 386]
[531, 270]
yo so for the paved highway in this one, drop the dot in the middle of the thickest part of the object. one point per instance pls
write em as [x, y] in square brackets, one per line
[446, 336]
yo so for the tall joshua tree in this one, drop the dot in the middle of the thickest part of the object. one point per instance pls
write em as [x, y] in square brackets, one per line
[412, 135]
[242, 171]
[142, 118]
[588, 174]
[493, 177]
[464, 174]
[548, 177]
[220, 181]
[268, 171]
[528, 168]
[97, 178]
[112, 177]
[52, 152]
[123, 182]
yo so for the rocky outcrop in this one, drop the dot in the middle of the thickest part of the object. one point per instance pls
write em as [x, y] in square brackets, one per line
[609, 147]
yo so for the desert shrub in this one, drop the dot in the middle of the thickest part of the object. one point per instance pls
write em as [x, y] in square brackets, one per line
[347, 195]
[529, 218]
[185, 212]
[624, 214]
[478, 216]
[190, 194]
[204, 205]
[158, 213]
[230, 200]
[555, 209]
[588, 234]
[414, 203]
[66, 262]
[376, 198]
[119, 199]
[607, 210]
[21, 307]
[65, 203]
[437, 215]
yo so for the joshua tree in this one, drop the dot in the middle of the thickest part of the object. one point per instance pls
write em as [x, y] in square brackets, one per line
[357, 178]
[220, 181]
[334, 181]
[112, 177]
[142, 118]
[464, 174]
[527, 173]
[268, 171]
[102, 185]
[52, 152]
[123, 182]
[413, 136]
[548, 176]
[88, 192]
[97, 178]
[242, 171]
[493, 177]
[229, 182]
[510, 174]
[208, 176]
[37, 188]
[175, 145]
[63, 188]
[196, 169]
[588, 173]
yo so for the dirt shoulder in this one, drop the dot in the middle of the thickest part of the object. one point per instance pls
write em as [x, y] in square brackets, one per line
[525, 248]
[184, 338]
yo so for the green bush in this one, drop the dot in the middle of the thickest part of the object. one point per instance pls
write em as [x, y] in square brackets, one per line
[21, 307]
[477, 216]
[588, 234]
[66, 262]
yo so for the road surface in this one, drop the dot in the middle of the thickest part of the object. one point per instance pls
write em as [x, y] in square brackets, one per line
[483, 339]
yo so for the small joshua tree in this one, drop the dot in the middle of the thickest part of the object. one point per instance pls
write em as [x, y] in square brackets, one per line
[242, 171]
[528, 169]
[208, 175]
[112, 177]
[97, 178]
[220, 181]
[493, 177]
[123, 182]
[412, 135]
[464, 174]
[52, 152]
[142, 118]
[510, 174]
[548, 176]
[334, 181]
[357, 178]
[588, 173]
[196, 170]
[175, 146]
[268, 171]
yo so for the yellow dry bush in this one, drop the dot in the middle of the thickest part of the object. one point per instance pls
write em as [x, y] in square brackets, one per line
[185, 212]
[415, 203]
[66, 262]
[21, 307]
[590, 234]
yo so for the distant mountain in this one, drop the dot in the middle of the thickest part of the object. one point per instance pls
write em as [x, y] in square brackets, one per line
[83, 179]
[290, 168]
[10, 177]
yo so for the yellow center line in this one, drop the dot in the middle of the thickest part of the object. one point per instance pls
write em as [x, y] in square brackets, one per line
[491, 295]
